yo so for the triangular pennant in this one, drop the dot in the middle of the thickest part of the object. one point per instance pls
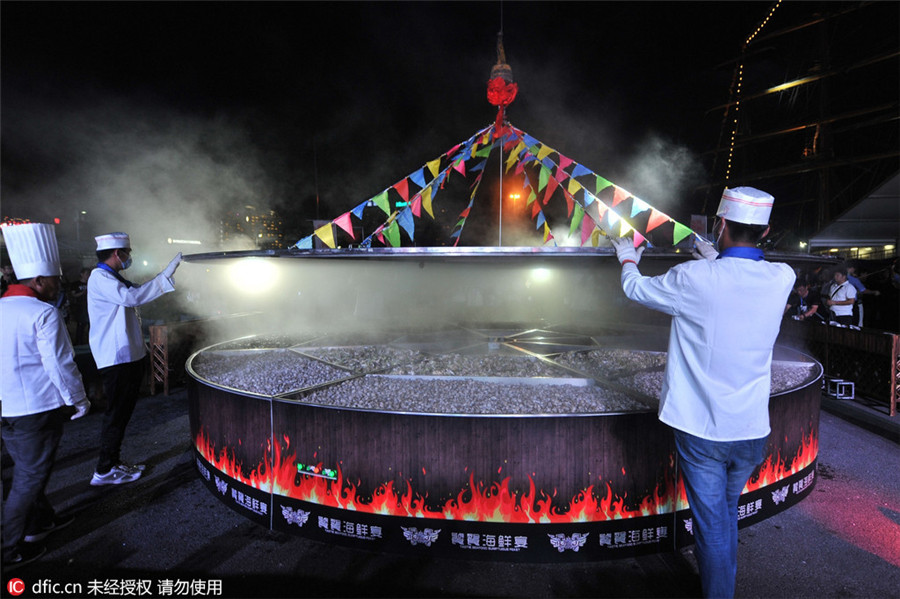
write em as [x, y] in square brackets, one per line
[326, 234]
[624, 228]
[434, 166]
[595, 237]
[540, 220]
[544, 152]
[344, 222]
[535, 209]
[587, 226]
[619, 195]
[511, 161]
[577, 219]
[574, 186]
[656, 219]
[393, 234]
[478, 167]
[561, 175]
[416, 206]
[405, 219]
[680, 232]
[381, 200]
[418, 177]
[638, 239]
[543, 178]
[531, 197]
[638, 206]
[484, 152]
[460, 167]
[547, 234]
[580, 171]
[564, 161]
[520, 166]
[305, 243]
[552, 184]
[612, 217]
[358, 211]
[601, 184]
[570, 203]
[402, 188]
[426, 201]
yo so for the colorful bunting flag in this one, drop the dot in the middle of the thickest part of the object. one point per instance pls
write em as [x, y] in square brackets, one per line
[402, 188]
[426, 201]
[392, 233]
[405, 219]
[638, 206]
[680, 232]
[577, 219]
[381, 200]
[656, 219]
[434, 166]
[344, 222]
[418, 177]
[326, 234]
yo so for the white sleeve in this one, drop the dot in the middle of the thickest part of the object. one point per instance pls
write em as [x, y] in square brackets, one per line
[58, 357]
[662, 293]
[109, 289]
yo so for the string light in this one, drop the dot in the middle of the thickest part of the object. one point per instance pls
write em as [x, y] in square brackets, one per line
[737, 89]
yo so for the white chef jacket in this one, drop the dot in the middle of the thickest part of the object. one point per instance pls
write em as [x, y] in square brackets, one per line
[841, 293]
[726, 316]
[115, 334]
[37, 364]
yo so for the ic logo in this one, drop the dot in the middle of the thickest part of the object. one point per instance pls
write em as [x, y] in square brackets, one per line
[15, 586]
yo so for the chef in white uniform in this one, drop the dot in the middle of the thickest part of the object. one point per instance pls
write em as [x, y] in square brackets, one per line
[38, 380]
[726, 313]
[117, 344]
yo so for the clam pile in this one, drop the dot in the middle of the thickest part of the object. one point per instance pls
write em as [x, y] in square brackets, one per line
[490, 378]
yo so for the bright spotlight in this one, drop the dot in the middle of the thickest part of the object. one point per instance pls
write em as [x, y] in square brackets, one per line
[253, 276]
[540, 275]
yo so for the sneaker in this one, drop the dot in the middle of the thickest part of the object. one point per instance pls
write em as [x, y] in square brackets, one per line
[27, 553]
[132, 467]
[58, 523]
[116, 476]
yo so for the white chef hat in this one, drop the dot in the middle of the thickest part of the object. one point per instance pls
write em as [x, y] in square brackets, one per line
[113, 241]
[33, 250]
[746, 205]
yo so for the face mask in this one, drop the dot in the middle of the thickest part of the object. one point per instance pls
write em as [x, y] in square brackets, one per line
[125, 264]
[719, 236]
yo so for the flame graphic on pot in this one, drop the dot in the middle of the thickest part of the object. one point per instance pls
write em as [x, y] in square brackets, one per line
[276, 472]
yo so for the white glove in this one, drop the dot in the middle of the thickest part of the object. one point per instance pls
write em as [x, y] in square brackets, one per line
[170, 269]
[81, 408]
[625, 249]
[704, 251]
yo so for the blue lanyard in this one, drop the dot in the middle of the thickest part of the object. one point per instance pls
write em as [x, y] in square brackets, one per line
[742, 252]
[112, 271]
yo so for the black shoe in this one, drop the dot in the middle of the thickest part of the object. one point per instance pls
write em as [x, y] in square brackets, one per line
[27, 553]
[58, 523]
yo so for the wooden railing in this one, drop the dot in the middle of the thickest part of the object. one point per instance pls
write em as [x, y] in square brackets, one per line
[869, 358]
[172, 343]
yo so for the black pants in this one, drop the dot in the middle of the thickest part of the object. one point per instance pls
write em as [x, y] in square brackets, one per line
[31, 441]
[121, 384]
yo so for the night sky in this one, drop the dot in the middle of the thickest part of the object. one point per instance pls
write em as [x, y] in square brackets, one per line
[157, 117]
